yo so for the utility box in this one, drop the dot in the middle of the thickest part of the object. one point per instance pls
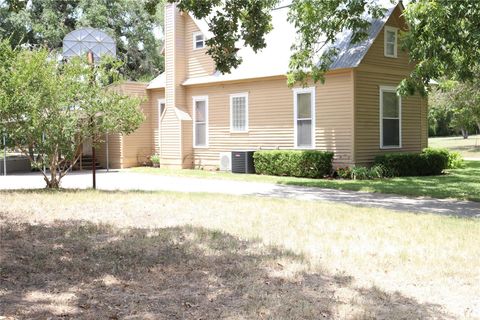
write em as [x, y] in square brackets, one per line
[242, 162]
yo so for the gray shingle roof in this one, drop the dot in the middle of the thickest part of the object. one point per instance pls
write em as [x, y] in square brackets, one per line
[350, 55]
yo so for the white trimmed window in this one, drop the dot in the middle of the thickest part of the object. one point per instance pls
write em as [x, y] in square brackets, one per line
[198, 40]
[391, 35]
[390, 118]
[200, 121]
[239, 112]
[304, 114]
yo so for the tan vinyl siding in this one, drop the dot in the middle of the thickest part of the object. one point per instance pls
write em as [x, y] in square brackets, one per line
[115, 149]
[377, 70]
[171, 63]
[153, 96]
[187, 143]
[424, 120]
[171, 145]
[137, 146]
[375, 57]
[170, 141]
[271, 117]
[199, 63]
[180, 64]
[334, 117]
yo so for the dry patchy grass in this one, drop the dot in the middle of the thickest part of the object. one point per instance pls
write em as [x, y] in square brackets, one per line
[174, 256]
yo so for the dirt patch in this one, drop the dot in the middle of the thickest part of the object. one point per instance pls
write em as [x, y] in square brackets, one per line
[83, 270]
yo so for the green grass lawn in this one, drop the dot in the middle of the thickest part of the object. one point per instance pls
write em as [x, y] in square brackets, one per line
[157, 255]
[469, 148]
[459, 183]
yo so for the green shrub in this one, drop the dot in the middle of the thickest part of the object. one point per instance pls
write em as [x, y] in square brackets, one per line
[363, 173]
[429, 162]
[155, 159]
[436, 160]
[360, 173]
[294, 163]
[344, 173]
[377, 172]
[455, 160]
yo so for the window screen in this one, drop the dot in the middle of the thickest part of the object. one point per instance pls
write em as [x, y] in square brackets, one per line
[200, 123]
[198, 41]
[390, 119]
[239, 121]
[390, 43]
[304, 119]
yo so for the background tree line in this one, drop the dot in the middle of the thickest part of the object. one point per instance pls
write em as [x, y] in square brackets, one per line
[45, 23]
[454, 107]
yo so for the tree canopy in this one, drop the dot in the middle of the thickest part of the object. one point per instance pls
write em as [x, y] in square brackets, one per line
[458, 103]
[444, 35]
[49, 108]
[444, 39]
[46, 22]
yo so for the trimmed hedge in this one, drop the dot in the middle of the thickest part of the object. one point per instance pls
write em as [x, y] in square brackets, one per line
[427, 163]
[293, 163]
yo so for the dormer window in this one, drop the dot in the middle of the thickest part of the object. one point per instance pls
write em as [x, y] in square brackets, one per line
[391, 35]
[198, 40]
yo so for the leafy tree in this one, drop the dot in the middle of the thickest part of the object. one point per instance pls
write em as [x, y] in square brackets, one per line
[439, 117]
[53, 108]
[46, 22]
[459, 102]
[249, 21]
[444, 37]
[318, 23]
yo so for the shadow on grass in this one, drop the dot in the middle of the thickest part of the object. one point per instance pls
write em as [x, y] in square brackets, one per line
[89, 271]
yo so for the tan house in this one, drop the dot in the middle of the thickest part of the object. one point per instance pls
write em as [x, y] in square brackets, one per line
[194, 114]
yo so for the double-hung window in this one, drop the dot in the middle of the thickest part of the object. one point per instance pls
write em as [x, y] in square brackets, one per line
[198, 40]
[304, 114]
[390, 118]
[239, 112]
[390, 36]
[200, 121]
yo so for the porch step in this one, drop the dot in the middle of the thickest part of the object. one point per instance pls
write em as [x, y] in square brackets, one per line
[87, 162]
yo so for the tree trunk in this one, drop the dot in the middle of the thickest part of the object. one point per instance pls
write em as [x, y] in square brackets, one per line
[54, 181]
[30, 152]
[464, 133]
[478, 125]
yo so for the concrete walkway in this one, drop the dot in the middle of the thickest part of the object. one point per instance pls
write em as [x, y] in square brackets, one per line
[138, 181]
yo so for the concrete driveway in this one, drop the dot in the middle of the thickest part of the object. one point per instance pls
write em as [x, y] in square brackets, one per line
[118, 180]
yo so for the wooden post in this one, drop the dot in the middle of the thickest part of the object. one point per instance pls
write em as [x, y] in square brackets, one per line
[4, 154]
[91, 61]
[93, 168]
[108, 157]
